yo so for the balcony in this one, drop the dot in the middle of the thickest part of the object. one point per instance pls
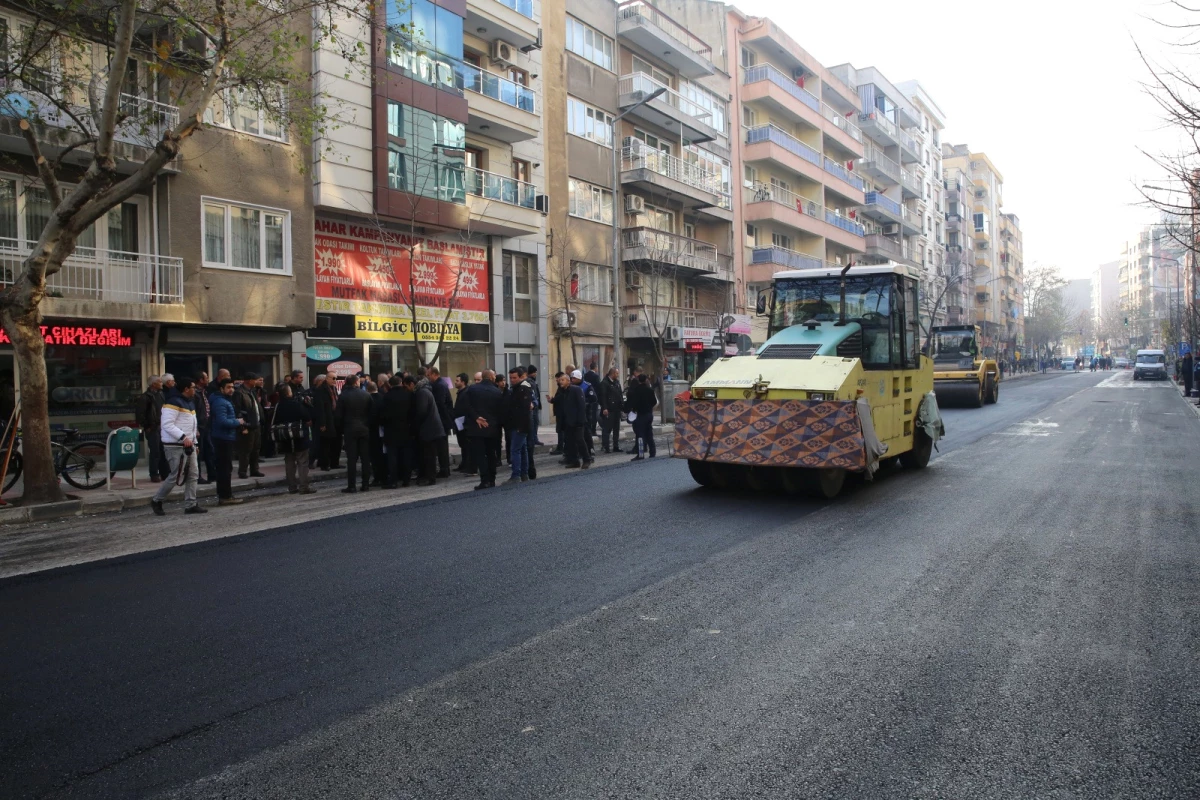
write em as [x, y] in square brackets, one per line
[884, 209]
[910, 151]
[883, 247]
[652, 30]
[670, 324]
[841, 123]
[107, 276]
[879, 128]
[837, 170]
[879, 166]
[690, 257]
[766, 72]
[772, 202]
[769, 143]
[658, 173]
[147, 120]
[500, 205]
[509, 20]
[910, 185]
[789, 259]
[670, 110]
[497, 107]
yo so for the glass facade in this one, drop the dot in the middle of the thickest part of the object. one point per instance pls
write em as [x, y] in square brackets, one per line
[425, 154]
[425, 41]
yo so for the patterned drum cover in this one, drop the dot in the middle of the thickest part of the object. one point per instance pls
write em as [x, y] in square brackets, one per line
[773, 433]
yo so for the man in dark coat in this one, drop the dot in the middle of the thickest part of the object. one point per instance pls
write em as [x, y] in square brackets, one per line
[356, 413]
[483, 408]
[396, 419]
[612, 400]
[290, 412]
[249, 443]
[204, 427]
[466, 463]
[325, 402]
[149, 419]
[427, 430]
[641, 402]
[1187, 374]
[378, 456]
[516, 423]
[445, 410]
[571, 411]
[592, 379]
[535, 416]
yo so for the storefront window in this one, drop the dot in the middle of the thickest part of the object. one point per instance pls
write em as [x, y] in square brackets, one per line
[238, 365]
[92, 389]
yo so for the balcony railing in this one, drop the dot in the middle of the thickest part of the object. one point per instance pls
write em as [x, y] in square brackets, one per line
[845, 223]
[841, 122]
[882, 163]
[785, 257]
[882, 122]
[673, 249]
[641, 82]
[766, 72]
[764, 192]
[106, 275]
[769, 133]
[501, 188]
[907, 141]
[910, 181]
[640, 156]
[888, 246]
[884, 202]
[522, 7]
[489, 84]
[145, 122]
[834, 168]
[640, 9]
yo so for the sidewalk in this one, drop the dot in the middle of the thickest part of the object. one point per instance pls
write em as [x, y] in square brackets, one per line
[124, 496]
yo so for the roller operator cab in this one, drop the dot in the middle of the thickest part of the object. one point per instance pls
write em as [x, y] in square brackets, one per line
[840, 385]
[960, 373]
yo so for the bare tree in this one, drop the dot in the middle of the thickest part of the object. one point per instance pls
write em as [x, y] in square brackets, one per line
[73, 102]
[1046, 318]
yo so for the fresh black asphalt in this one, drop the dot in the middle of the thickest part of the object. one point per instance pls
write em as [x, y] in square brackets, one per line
[1020, 620]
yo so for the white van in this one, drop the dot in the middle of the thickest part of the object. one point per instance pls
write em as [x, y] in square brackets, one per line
[1150, 364]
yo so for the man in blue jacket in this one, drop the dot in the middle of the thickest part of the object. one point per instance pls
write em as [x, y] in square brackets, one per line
[225, 425]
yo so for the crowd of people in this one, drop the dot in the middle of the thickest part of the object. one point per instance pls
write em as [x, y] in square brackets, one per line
[392, 430]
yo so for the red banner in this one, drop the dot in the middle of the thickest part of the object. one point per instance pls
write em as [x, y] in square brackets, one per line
[361, 269]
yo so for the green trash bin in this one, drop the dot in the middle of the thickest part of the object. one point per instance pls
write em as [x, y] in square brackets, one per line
[124, 449]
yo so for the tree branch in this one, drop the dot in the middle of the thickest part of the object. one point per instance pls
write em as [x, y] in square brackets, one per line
[49, 179]
[122, 45]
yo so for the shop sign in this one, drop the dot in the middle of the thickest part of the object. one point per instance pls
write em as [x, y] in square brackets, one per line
[323, 352]
[694, 347]
[84, 394]
[697, 339]
[71, 335]
[403, 330]
[361, 269]
[737, 324]
[344, 369]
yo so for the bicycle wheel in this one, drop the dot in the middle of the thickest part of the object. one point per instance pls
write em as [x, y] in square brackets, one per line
[14, 469]
[83, 466]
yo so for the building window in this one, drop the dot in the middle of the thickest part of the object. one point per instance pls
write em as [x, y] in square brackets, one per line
[518, 287]
[591, 283]
[710, 102]
[749, 58]
[244, 110]
[751, 235]
[425, 154]
[781, 240]
[585, 41]
[589, 202]
[589, 122]
[246, 237]
[749, 118]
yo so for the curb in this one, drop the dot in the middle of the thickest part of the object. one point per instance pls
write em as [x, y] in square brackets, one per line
[114, 502]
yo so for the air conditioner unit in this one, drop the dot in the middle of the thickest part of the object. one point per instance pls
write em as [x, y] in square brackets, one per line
[672, 333]
[891, 229]
[542, 203]
[565, 320]
[635, 204]
[502, 52]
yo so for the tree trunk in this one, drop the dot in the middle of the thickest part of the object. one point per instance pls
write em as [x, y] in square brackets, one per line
[29, 350]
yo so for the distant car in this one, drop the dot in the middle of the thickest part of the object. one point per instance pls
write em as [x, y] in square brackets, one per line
[1150, 364]
[1121, 363]
[1068, 363]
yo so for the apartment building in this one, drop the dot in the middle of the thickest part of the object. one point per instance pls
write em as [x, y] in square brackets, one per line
[429, 222]
[931, 242]
[960, 268]
[640, 140]
[894, 205]
[800, 147]
[1011, 284]
[1150, 279]
[1105, 289]
[206, 269]
[983, 187]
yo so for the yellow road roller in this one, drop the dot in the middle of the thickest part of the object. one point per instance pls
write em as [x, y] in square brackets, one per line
[839, 387]
[960, 373]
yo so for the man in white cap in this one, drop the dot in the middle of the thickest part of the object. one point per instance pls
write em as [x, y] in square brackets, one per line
[589, 397]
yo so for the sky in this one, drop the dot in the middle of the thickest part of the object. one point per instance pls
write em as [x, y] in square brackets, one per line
[1051, 90]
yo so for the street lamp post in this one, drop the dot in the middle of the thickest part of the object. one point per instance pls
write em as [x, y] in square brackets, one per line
[618, 278]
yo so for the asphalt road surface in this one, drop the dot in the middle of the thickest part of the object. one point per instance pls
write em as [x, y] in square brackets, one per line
[1018, 620]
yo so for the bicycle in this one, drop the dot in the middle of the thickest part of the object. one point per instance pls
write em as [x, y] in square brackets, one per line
[83, 465]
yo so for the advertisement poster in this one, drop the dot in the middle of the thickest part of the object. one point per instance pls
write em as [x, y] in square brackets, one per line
[366, 271]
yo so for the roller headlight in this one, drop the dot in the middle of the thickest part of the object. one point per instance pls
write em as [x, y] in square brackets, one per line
[708, 394]
[816, 395]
